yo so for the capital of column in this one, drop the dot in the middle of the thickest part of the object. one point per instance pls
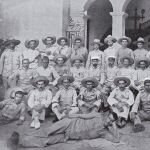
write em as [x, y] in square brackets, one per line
[121, 14]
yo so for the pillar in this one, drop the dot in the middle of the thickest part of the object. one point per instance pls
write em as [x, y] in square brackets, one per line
[118, 23]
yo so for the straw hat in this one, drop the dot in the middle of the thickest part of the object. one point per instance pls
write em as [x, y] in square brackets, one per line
[97, 41]
[40, 78]
[113, 57]
[117, 79]
[146, 80]
[62, 38]
[68, 77]
[17, 89]
[110, 37]
[145, 60]
[77, 58]
[131, 60]
[78, 38]
[90, 79]
[53, 38]
[124, 38]
[140, 40]
[9, 41]
[60, 56]
[28, 41]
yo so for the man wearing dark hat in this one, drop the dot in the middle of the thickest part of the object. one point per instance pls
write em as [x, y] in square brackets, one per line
[39, 99]
[120, 100]
[65, 100]
[141, 73]
[141, 108]
[124, 50]
[79, 50]
[13, 109]
[9, 61]
[89, 98]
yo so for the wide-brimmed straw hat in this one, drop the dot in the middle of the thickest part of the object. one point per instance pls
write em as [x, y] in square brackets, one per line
[146, 80]
[76, 58]
[144, 59]
[117, 79]
[110, 37]
[124, 38]
[131, 60]
[113, 57]
[90, 79]
[28, 41]
[68, 77]
[78, 38]
[97, 41]
[40, 78]
[15, 90]
[53, 38]
[60, 56]
[140, 40]
[62, 38]
[14, 41]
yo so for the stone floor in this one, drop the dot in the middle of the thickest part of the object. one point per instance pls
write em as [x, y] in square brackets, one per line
[129, 140]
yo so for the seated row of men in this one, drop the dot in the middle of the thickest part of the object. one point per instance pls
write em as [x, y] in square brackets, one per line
[90, 99]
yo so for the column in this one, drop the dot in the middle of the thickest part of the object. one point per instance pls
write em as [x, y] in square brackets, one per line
[118, 23]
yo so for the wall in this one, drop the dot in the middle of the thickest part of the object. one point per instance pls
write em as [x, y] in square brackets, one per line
[100, 19]
[31, 18]
[139, 4]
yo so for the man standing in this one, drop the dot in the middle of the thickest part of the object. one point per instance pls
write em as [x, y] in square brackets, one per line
[39, 100]
[9, 61]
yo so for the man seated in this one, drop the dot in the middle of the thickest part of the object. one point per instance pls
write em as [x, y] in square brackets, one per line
[95, 71]
[65, 100]
[24, 76]
[77, 71]
[13, 109]
[141, 108]
[89, 98]
[48, 72]
[39, 100]
[75, 127]
[141, 73]
[110, 71]
[120, 100]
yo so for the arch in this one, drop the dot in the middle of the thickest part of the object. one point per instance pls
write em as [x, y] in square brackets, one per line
[125, 5]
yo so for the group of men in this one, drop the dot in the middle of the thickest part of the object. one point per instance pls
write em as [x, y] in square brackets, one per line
[74, 81]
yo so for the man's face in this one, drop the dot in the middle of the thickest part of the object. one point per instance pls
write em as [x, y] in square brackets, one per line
[60, 61]
[32, 44]
[11, 46]
[45, 63]
[126, 62]
[40, 85]
[77, 63]
[110, 42]
[124, 43]
[142, 65]
[49, 41]
[121, 84]
[66, 83]
[78, 43]
[111, 61]
[62, 42]
[18, 98]
[89, 85]
[94, 62]
[96, 46]
[140, 45]
[25, 63]
[147, 86]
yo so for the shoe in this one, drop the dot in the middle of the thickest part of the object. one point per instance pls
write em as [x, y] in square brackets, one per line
[37, 124]
[32, 125]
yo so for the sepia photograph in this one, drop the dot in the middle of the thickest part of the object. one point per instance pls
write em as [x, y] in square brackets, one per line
[74, 74]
